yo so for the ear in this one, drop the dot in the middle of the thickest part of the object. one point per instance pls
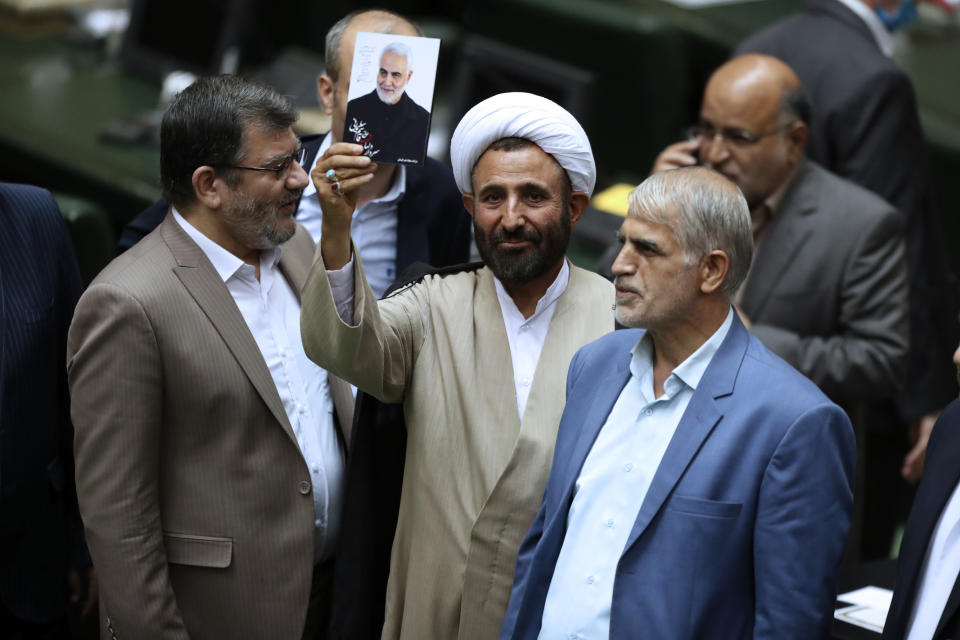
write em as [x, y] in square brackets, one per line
[468, 203]
[325, 92]
[579, 201]
[797, 135]
[207, 187]
[409, 75]
[713, 271]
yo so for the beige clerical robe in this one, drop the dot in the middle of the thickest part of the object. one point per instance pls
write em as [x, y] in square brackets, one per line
[475, 472]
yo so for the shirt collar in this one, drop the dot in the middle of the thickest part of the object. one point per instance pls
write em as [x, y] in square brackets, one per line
[397, 190]
[551, 295]
[225, 263]
[691, 370]
[872, 20]
[772, 202]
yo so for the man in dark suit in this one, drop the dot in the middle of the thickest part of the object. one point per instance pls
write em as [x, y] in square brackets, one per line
[828, 289]
[387, 122]
[865, 128]
[926, 601]
[41, 535]
[701, 487]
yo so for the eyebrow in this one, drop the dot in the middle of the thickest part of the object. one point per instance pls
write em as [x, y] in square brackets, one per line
[280, 157]
[641, 244]
[523, 187]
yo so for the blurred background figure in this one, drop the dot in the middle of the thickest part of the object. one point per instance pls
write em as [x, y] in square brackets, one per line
[865, 127]
[44, 563]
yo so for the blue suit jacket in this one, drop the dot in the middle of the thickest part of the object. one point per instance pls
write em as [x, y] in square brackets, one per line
[743, 526]
[940, 477]
[40, 529]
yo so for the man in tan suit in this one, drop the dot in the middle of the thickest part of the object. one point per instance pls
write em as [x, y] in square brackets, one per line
[478, 357]
[208, 461]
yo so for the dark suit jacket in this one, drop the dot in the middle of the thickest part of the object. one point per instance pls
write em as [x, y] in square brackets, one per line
[389, 133]
[865, 128]
[40, 529]
[827, 291]
[742, 528]
[940, 477]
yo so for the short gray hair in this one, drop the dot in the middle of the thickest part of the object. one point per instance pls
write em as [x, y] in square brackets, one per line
[705, 211]
[331, 52]
[399, 49]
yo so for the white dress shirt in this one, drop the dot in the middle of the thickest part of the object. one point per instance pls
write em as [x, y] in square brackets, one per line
[373, 228]
[525, 335]
[272, 312]
[612, 486]
[940, 569]
[872, 20]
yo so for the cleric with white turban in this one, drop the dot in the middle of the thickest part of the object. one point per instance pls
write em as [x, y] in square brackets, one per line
[523, 115]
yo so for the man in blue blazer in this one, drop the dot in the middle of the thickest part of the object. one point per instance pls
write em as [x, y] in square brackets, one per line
[41, 536]
[701, 487]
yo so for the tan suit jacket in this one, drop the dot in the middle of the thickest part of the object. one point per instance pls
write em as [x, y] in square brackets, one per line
[194, 494]
[474, 472]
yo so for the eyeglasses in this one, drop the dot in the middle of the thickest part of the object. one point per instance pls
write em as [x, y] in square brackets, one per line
[731, 137]
[279, 168]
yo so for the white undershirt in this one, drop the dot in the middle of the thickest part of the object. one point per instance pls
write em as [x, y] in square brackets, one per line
[373, 228]
[525, 336]
[272, 312]
[941, 566]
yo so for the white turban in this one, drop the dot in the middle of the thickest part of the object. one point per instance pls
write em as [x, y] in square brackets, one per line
[523, 115]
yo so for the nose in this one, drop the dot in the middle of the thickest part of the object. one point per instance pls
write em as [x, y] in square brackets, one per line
[713, 150]
[622, 266]
[297, 178]
[513, 217]
[956, 357]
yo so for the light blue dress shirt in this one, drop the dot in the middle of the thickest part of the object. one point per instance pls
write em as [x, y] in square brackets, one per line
[373, 228]
[611, 488]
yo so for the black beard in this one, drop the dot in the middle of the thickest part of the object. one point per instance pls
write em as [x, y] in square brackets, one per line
[514, 268]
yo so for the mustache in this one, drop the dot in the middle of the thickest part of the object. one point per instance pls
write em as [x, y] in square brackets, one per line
[523, 233]
[620, 284]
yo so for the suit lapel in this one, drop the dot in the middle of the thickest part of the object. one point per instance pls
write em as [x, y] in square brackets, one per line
[696, 425]
[786, 234]
[211, 294]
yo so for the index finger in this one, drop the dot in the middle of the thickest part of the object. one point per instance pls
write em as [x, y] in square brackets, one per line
[343, 149]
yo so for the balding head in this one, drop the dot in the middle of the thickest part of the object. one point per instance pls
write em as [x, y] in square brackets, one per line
[757, 105]
[338, 50]
[334, 84]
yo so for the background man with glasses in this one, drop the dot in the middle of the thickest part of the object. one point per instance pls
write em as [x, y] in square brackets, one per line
[827, 291]
[209, 462]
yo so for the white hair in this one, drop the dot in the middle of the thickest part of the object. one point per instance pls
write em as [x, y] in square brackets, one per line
[399, 49]
[705, 211]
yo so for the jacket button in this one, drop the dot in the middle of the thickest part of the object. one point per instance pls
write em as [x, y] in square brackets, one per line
[304, 488]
